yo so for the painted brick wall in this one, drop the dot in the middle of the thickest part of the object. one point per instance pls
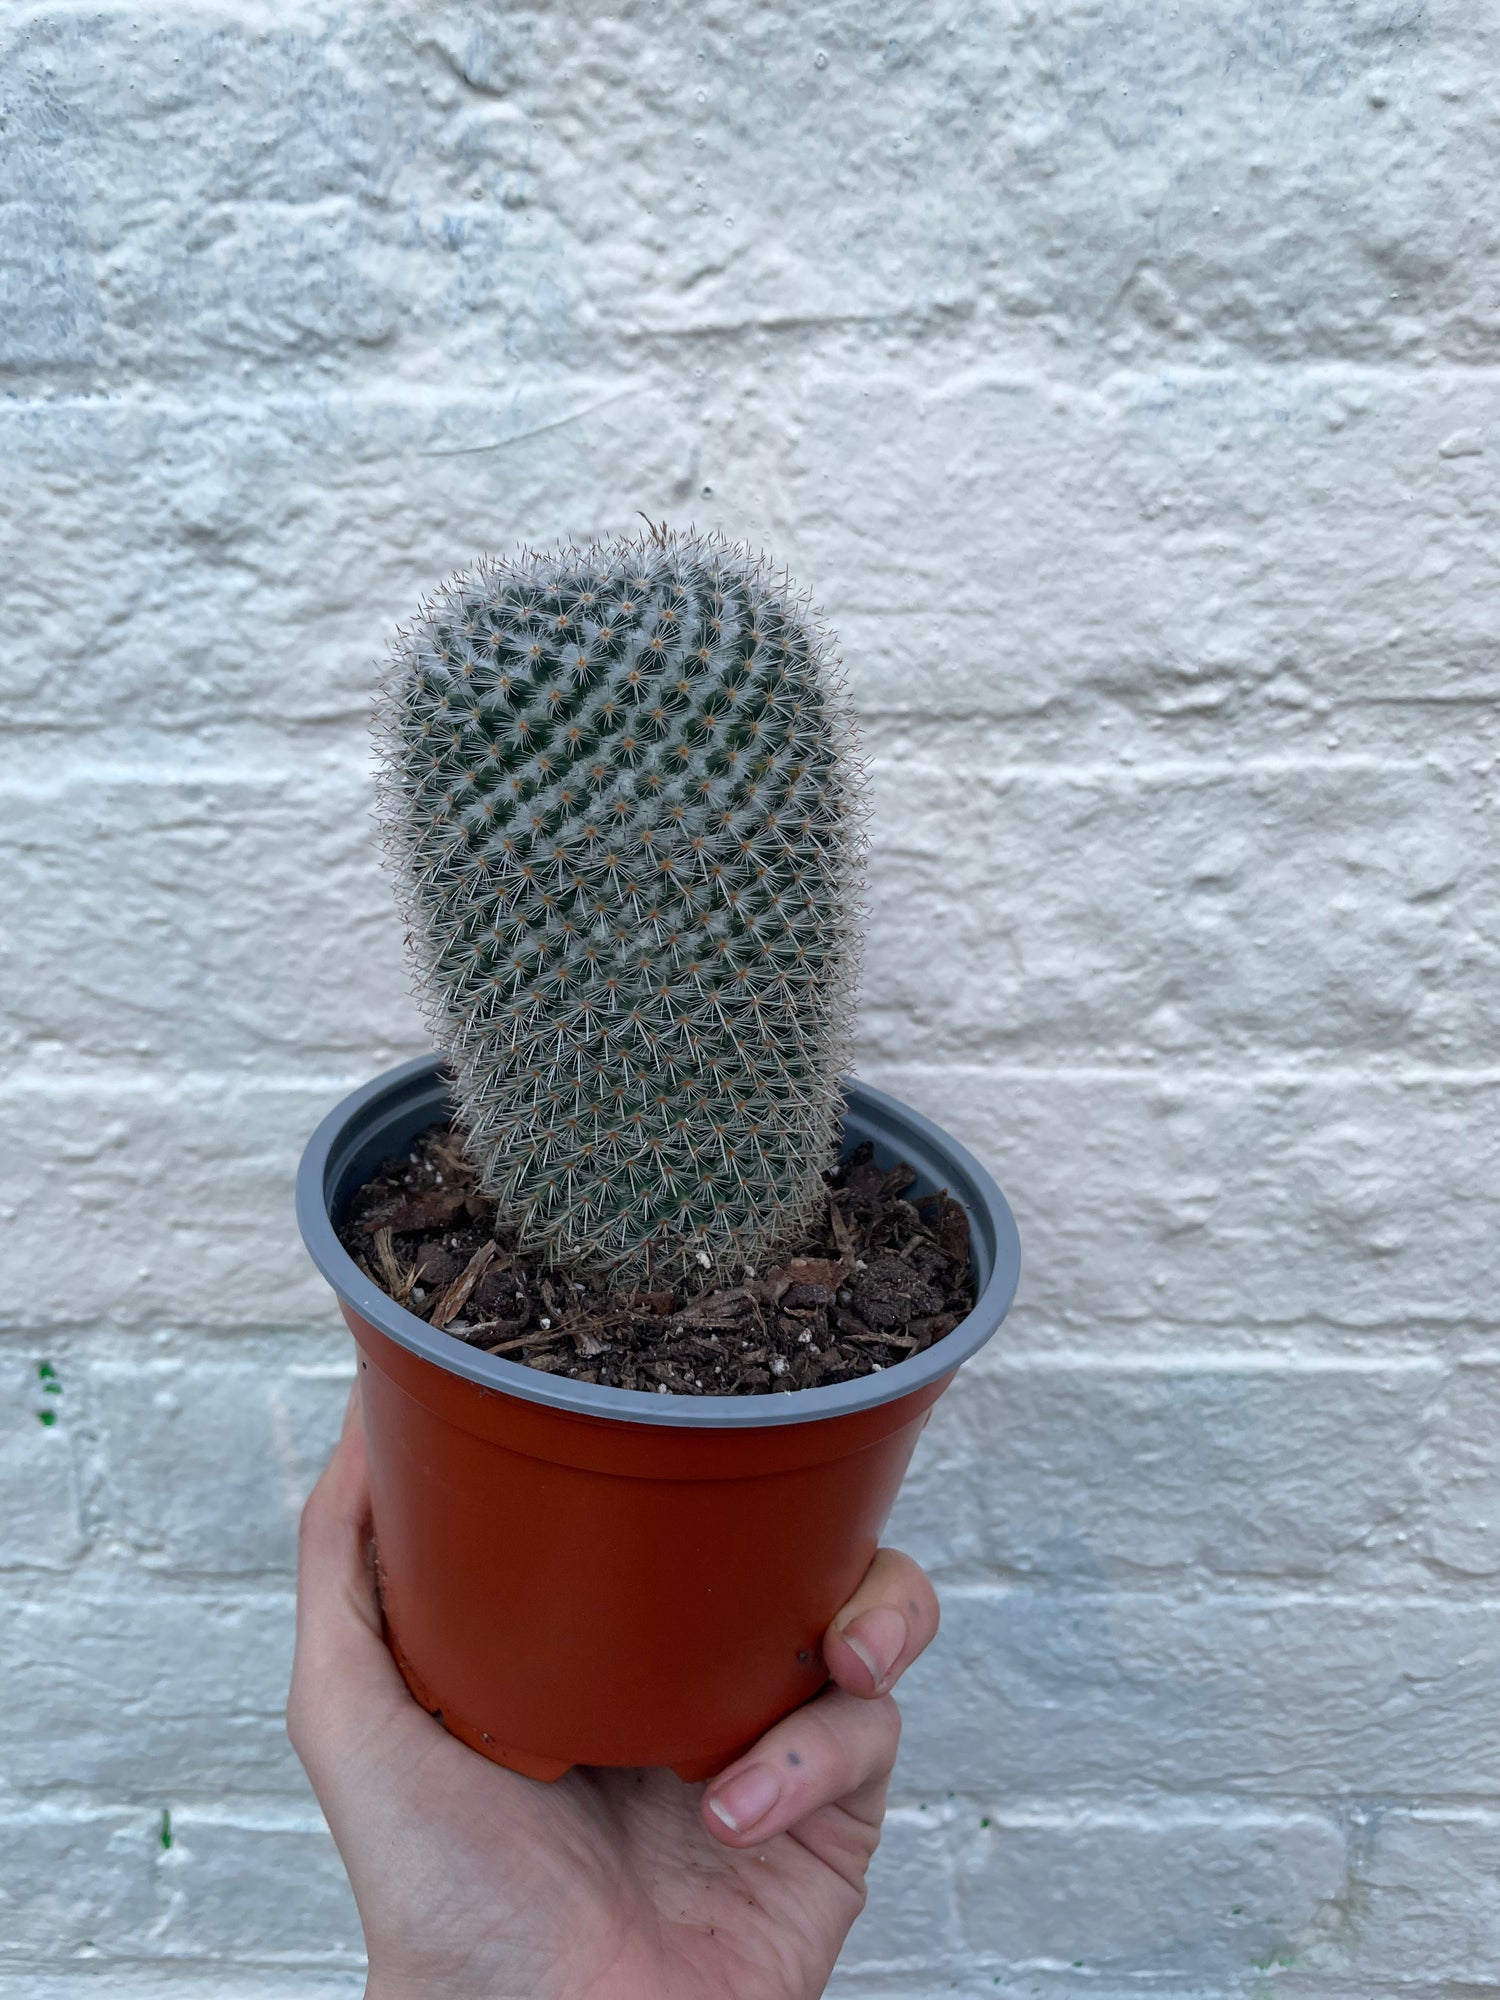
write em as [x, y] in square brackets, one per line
[1121, 376]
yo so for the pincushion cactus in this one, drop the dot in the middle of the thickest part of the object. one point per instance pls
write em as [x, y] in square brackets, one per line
[621, 788]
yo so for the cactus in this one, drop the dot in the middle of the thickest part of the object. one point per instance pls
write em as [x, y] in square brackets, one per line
[622, 792]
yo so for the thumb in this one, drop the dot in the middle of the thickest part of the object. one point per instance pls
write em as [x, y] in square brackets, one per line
[341, 1663]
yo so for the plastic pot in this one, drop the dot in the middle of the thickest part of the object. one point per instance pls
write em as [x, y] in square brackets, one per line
[574, 1574]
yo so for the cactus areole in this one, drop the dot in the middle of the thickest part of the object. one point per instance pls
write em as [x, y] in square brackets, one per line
[621, 789]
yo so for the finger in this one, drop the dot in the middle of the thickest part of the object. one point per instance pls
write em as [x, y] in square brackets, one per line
[889, 1620]
[838, 1750]
[334, 1579]
[340, 1651]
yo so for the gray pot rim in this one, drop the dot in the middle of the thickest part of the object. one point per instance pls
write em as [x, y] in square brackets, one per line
[992, 1228]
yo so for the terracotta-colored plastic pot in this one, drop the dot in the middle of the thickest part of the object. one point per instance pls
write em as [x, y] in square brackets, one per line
[580, 1575]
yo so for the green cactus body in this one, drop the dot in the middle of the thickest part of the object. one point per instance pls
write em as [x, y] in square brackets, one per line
[621, 786]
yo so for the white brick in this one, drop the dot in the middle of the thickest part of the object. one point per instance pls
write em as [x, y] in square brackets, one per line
[261, 581]
[294, 162]
[1307, 1697]
[123, 1882]
[145, 1689]
[864, 1985]
[1424, 1901]
[1291, 1983]
[1171, 543]
[1095, 914]
[1460, 1478]
[172, 1205]
[252, 1435]
[1124, 565]
[1097, 1473]
[1189, 1200]
[119, 1883]
[1110, 183]
[156, 1979]
[224, 923]
[41, 1517]
[1132, 1894]
[76, 1881]
[267, 1892]
[911, 1917]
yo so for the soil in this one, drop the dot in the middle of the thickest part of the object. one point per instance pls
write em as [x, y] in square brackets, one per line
[878, 1279]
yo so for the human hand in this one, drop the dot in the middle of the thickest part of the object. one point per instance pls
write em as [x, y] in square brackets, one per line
[476, 1884]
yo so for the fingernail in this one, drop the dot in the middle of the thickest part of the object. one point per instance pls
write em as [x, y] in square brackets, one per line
[878, 1636]
[746, 1798]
